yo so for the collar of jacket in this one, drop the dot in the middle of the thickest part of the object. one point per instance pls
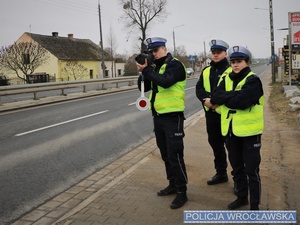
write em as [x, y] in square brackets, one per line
[239, 76]
[159, 62]
[223, 63]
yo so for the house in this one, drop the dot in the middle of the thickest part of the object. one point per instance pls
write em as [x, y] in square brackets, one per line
[67, 50]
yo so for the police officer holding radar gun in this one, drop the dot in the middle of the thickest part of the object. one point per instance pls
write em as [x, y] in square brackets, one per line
[208, 80]
[240, 96]
[165, 76]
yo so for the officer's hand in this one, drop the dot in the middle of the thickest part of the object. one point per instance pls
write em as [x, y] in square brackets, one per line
[140, 67]
[207, 102]
[214, 106]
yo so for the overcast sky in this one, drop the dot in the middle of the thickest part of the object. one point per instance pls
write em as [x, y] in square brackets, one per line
[235, 21]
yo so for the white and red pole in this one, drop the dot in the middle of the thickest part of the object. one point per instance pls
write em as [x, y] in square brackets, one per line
[142, 103]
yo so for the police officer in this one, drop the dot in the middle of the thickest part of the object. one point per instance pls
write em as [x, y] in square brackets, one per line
[241, 96]
[208, 80]
[166, 78]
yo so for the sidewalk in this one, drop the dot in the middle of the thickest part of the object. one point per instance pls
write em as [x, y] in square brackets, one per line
[124, 192]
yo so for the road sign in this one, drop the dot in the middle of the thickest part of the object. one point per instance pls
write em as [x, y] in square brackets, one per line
[192, 58]
[296, 61]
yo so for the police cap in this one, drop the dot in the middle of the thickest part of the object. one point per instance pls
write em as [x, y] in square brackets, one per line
[154, 42]
[239, 52]
[218, 44]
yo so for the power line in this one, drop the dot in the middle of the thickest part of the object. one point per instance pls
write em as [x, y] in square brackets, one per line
[67, 6]
[80, 7]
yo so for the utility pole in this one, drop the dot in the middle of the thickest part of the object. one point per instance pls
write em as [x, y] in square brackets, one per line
[204, 53]
[272, 41]
[272, 38]
[101, 42]
[174, 43]
[175, 53]
[290, 49]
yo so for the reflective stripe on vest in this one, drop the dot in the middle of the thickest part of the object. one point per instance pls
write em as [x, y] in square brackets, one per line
[206, 82]
[170, 99]
[245, 122]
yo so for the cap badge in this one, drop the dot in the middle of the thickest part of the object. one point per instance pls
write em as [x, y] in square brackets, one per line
[236, 49]
[148, 40]
[213, 42]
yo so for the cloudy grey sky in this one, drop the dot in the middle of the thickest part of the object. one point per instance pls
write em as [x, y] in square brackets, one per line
[235, 21]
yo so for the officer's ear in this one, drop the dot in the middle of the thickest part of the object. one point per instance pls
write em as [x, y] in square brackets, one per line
[248, 61]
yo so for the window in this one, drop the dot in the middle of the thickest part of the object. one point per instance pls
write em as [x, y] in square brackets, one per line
[91, 74]
[26, 58]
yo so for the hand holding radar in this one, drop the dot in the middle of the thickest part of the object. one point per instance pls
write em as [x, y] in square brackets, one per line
[142, 103]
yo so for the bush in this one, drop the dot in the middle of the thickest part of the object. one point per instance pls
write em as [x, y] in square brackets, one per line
[4, 81]
[279, 106]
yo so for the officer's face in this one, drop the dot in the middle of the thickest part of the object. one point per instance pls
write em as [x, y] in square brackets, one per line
[218, 55]
[159, 52]
[238, 64]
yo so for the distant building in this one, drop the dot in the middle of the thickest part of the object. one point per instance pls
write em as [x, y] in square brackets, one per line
[69, 49]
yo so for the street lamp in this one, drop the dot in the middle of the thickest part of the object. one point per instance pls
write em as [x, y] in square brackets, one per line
[272, 38]
[174, 38]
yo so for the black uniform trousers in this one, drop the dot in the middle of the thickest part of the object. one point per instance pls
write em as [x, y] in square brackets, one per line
[169, 133]
[244, 157]
[216, 141]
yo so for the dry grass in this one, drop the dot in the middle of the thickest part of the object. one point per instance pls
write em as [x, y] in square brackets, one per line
[279, 106]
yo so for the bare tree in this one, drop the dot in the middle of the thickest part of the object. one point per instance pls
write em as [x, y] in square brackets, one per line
[140, 13]
[23, 58]
[74, 71]
[130, 68]
[180, 51]
[112, 40]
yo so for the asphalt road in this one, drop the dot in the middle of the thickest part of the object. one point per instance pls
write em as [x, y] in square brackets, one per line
[45, 150]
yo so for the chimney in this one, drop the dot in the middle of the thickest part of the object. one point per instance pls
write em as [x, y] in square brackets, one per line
[70, 36]
[54, 34]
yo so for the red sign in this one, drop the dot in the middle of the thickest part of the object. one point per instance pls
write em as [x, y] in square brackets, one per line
[296, 37]
[295, 17]
[294, 26]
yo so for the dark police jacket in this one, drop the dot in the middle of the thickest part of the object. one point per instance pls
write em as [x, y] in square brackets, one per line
[216, 70]
[248, 96]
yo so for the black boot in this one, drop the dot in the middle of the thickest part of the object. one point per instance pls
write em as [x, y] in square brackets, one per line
[235, 191]
[179, 201]
[170, 190]
[240, 201]
[254, 207]
[217, 179]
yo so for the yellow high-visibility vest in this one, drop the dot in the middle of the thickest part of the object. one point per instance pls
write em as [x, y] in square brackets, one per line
[206, 82]
[245, 122]
[170, 99]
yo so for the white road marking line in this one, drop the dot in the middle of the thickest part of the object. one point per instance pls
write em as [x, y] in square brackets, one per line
[58, 124]
[189, 88]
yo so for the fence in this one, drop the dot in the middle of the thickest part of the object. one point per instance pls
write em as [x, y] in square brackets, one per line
[62, 86]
